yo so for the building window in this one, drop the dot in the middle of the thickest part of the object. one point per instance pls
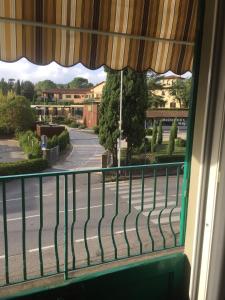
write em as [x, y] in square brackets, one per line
[163, 93]
[173, 105]
[76, 96]
[68, 96]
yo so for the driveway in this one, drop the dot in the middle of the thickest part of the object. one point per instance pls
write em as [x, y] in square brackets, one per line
[10, 151]
[86, 152]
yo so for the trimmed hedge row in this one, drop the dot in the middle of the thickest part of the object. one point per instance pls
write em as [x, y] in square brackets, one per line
[160, 159]
[23, 167]
[62, 140]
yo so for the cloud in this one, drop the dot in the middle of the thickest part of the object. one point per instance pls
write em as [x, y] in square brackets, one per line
[24, 70]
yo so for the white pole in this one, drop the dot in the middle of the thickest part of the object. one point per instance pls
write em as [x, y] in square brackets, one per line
[120, 121]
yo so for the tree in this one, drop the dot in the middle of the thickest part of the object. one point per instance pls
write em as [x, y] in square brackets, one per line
[27, 89]
[79, 82]
[15, 113]
[109, 114]
[45, 85]
[133, 113]
[181, 90]
[160, 134]
[4, 86]
[175, 128]
[154, 83]
[17, 88]
[154, 136]
[171, 144]
[135, 97]
[11, 82]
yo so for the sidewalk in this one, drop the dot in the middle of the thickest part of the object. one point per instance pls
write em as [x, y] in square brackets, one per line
[10, 151]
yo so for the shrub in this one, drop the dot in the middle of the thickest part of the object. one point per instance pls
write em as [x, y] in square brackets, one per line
[59, 119]
[82, 126]
[169, 158]
[96, 129]
[23, 167]
[180, 142]
[30, 144]
[148, 131]
[73, 125]
[63, 140]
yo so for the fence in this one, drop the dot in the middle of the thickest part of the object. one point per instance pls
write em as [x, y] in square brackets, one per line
[63, 221]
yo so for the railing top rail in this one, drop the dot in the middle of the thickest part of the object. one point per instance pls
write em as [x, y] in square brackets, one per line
[93, 170]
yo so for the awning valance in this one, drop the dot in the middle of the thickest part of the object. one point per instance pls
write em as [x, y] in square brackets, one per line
[140, 34]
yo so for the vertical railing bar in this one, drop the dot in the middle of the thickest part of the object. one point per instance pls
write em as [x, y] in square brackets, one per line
[88, 218]
[66, 228]
[159, 217]
[142, 208]
[57, 225]
[74, 219]
[5, 232]
[24, 229]
[153, 208]
[41, 226]
[102, 217]
[176, 204]
[129, 211]
[116, 213]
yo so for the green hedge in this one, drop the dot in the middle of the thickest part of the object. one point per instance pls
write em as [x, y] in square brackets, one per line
[180, 142]
[168, 158]
[23, 167]
[63, 140]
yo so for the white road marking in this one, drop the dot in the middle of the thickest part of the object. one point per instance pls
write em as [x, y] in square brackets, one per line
[61, 211]
[151, 194]
[146, 200]
[158, 205]
[79, 240]
[136, 190]
[44, 195]
[2, 256]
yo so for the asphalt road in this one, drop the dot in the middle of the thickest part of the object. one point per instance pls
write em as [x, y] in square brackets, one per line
[86, 152]
[128, 218]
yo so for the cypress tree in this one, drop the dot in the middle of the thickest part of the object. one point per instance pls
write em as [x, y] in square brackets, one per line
[135, 98]
[154, 137]
[160, 134]
[171, 144]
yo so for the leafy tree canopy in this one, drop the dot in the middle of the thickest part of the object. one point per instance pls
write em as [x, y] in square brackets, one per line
[45, 85]
[181, 90]
[15, 113]
[154, 83]
[79, 82]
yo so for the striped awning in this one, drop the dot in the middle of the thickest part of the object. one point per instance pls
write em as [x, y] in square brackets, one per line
[140, 34]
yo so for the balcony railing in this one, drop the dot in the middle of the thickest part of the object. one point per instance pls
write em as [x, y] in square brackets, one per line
[64, 221]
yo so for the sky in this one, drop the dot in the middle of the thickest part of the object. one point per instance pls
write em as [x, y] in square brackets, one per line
[24, 70]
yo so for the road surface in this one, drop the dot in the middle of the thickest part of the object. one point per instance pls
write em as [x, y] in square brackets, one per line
[86, 152]
[92, 219]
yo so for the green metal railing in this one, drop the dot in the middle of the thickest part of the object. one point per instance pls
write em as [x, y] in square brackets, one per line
[88, 217]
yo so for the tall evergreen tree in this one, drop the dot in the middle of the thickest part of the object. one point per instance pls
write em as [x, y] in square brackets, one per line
[4, 87]
[154, 136]
[17, 88]
[133, 112]
[160, 134]
[171, 144]
[27, 89]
